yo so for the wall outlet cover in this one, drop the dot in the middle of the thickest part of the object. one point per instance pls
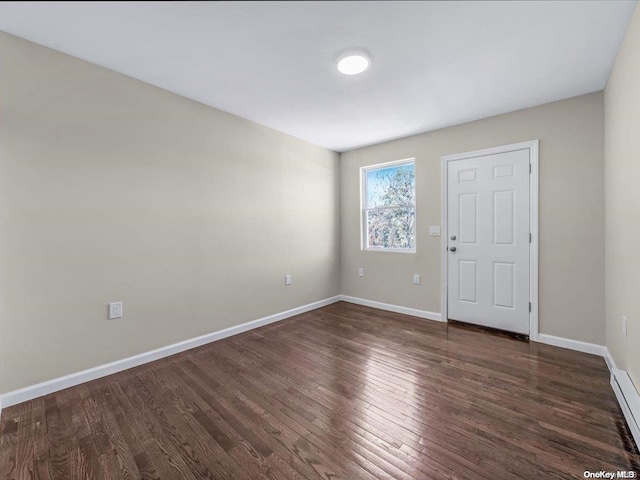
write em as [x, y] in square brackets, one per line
[287, 279]
[417, 279]
[115, 310]
[361, 272]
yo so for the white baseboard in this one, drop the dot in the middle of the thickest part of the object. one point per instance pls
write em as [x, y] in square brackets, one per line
[625, 391]
[50, 386]
[393, 308]
[577, 345]
[627, 395]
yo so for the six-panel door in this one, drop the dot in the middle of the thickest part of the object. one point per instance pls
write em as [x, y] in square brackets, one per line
[488, 244]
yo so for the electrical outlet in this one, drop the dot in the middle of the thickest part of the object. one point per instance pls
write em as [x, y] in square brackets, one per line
[361, 272]
[287, 279]
[624, 325]
[115, 310]
[434, 230]
[416, 279]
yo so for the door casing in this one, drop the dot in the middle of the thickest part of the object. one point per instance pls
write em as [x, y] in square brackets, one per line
[532, 146]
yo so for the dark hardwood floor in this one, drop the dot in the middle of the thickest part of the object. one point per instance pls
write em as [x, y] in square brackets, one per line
[341, 392]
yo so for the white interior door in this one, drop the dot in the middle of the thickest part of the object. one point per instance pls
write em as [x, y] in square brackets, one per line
[488, 240]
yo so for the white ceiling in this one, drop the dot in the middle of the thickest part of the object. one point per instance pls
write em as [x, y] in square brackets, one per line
[434, 64]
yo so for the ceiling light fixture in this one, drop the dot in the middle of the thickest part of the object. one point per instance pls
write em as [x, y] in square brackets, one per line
[353, 63]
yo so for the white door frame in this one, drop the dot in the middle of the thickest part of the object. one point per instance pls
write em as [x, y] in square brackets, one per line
[533, 224]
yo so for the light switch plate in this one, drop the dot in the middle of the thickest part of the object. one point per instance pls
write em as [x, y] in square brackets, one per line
[115, 310]
[287, 279]
[361, 272]
[417, 279]
[434, 230]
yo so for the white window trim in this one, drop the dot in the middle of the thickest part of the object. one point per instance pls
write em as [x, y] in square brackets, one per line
[363, 217]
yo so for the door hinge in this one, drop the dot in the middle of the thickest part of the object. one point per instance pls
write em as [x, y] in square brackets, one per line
[529, 169]
[529, 307]
[530, 237]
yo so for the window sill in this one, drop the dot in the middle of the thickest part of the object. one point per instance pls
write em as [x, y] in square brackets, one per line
[388, 250]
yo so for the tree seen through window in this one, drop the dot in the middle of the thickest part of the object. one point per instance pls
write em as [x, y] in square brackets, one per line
[389, 210]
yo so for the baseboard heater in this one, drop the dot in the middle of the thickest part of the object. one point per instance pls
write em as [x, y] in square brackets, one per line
[629, 401]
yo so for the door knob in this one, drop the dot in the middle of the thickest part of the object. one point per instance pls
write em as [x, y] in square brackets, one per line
[453, 249]
[453, 237]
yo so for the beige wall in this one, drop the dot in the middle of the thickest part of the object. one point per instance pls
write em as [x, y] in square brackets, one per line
[111, 189]
[622, 198]
[571, 213]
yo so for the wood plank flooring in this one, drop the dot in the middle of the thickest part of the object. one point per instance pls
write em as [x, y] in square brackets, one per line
[340, 392]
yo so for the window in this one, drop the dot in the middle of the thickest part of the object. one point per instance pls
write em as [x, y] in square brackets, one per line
[389, 207]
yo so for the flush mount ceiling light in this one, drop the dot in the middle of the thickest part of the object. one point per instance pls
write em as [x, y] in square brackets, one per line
[353, 63]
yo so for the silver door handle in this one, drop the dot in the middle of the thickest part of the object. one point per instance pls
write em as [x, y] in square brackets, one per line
[453, 249]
